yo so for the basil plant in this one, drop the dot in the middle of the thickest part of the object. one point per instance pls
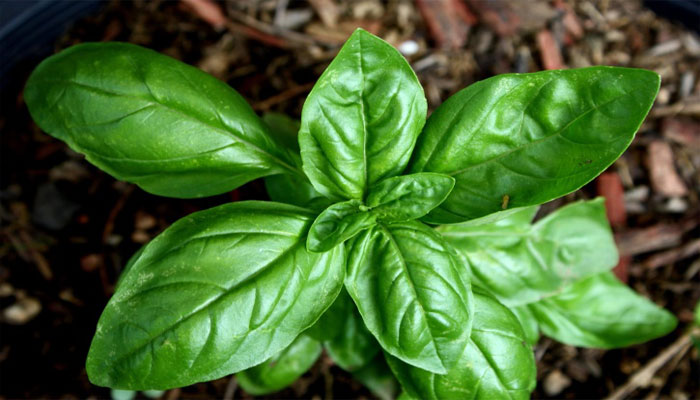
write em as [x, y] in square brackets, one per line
[397, 244]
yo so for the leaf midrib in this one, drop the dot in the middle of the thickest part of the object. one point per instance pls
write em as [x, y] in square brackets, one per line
[181, 113]
[207, 305]
[534, 142]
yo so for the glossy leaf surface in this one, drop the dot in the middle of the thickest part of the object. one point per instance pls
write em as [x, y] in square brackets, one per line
[520, 262]
[412, 293]
[149, 119]
[355, 346]
[330, 324]
[219, 291]
[601, 312]
[361, 120]
[281, 370]
[523, 139]
[496, 364]
[338, 223]
[528, 322]
[407, 197]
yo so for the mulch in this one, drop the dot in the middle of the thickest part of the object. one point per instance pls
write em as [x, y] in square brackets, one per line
[68, 229]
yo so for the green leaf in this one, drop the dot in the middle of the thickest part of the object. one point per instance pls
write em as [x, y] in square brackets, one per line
[332, 321]
[496, 364]
[219, 291]
[601, 312]
[355, 346]
[361, 120]
[528, 322]
[296, 190]
[377, 377]
[281, 370]
[407, 197]
[531, 137]
[520, 263]
[411, 292]
[146, 118]
[284, 129]
[338, 223]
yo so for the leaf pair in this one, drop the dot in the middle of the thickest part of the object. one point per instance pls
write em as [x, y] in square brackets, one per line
[397, 199]
[554, 275]
[510, 141]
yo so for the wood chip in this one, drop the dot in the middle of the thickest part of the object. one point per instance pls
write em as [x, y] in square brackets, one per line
[673, 255]
[609, 185]
[555, 383]
[448, 20]
[656, 237]
[208, 11]
[327, 10]
[23, 311]
[549, 50]
[497, 14]
[662, 172]
[682, 131]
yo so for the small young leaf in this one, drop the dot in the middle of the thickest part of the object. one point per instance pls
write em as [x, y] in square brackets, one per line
[281, 370]
[407, 197]
[496, 364]
[361, 120]
[338, 223]
[411, 292]
[528, 322]
[377, 377]
[149, 119]
[516, 140]
[601, 312]
[355, 346]
[219, 291]
[520, 263]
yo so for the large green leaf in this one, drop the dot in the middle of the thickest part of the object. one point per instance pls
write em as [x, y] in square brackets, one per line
[361, 120]
[528, 322]
[219, 291]
[407, 197]
[338, 223]
[412, 293]
[281, 370]
[520, 262]
[496, 364]
[355, 346]
[149, 119]
[602, 312]
[330, 324]
[522, 139]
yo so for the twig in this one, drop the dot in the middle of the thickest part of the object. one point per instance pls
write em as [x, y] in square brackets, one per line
[231, 388]
[294, 39]
[689, 107]
[284, 96]
[643, 377]
[38, 258]
[656, 237]
[670, 256]
[109, 225]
